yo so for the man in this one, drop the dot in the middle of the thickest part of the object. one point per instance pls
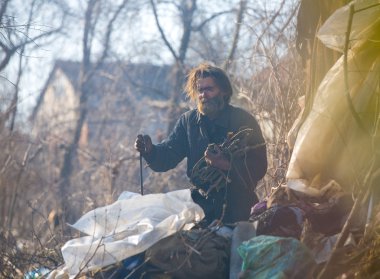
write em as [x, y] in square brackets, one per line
[211, 123]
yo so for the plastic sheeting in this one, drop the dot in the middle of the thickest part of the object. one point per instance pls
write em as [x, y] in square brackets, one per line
[271, 257]
[366, 16]
[127, 227]
[330, 144]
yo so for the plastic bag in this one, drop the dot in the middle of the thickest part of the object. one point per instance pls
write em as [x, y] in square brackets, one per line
[270, 257]
[330, 143]
[127, 227]
[333, 32]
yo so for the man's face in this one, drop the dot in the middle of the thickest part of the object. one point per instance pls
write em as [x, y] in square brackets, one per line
[210, 97]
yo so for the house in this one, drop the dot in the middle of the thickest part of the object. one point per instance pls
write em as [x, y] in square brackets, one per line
[125, 99]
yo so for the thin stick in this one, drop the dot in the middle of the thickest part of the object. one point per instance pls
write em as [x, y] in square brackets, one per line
[345, 68]
[141, 177]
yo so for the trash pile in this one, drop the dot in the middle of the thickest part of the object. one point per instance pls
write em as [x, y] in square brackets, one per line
[156, 236]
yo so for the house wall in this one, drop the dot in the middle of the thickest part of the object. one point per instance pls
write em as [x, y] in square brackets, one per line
[58, 112]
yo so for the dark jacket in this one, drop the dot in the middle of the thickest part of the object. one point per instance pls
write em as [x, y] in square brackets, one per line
[190, 137]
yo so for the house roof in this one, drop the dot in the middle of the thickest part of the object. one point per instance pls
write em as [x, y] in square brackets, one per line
[143, 79]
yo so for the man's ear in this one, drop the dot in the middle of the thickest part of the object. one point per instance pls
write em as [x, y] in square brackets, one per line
[225, 97]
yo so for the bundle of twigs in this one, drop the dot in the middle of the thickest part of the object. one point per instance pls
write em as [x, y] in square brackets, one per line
[209, 178]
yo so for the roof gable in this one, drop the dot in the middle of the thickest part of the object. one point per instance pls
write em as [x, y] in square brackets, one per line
[142, 80]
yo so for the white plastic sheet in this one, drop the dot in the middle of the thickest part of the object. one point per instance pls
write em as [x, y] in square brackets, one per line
[127, 227]
[330, 144]
[333, 32]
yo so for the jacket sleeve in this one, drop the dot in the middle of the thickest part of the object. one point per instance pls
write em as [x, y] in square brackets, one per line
[167, 154]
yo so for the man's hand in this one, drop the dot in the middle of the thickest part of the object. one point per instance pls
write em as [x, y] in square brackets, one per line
[143, 144]
[214, 157]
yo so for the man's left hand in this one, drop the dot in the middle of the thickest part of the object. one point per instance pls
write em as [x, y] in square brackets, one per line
[214, 157]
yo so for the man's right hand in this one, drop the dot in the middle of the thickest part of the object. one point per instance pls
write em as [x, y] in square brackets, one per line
[143, 144]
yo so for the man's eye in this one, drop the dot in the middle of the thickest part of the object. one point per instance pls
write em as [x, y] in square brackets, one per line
[206, 89]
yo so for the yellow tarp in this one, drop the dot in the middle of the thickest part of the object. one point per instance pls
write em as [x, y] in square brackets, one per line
[330, 143]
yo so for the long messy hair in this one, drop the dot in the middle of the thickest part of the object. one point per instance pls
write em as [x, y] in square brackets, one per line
[205, 70]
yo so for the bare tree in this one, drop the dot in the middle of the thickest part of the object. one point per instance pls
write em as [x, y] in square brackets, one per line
[268, 78]
[14, 35]
[15, 38]
[18, 42]
[88, 69]
[186, 9]
[239, 21]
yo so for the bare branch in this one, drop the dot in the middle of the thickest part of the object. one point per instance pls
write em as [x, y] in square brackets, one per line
[87, 35]
[272, 20]
[239, 20]
[289, 20]
[163, 36]
[203, 23]
[9, 52]
[108, 34]
[345, 66]
[20, 71]
[3, 8]
[187, 19]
